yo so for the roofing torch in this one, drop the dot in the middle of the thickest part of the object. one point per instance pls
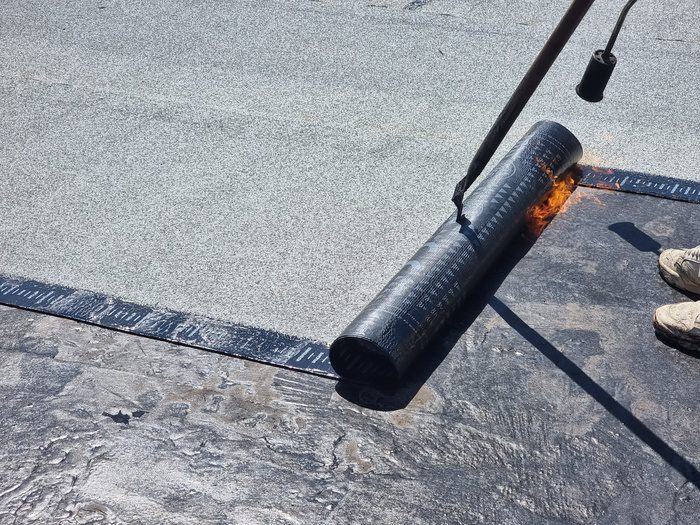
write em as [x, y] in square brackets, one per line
[590, 88]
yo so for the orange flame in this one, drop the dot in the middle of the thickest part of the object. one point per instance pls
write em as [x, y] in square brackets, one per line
[542, 213]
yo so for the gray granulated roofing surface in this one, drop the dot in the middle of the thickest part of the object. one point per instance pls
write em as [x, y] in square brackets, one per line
[275, 162]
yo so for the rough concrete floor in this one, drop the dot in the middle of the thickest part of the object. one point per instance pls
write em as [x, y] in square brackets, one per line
[556, 404]
[275, 162]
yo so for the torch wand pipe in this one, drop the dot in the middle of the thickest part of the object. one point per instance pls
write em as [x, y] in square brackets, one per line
[544, 60]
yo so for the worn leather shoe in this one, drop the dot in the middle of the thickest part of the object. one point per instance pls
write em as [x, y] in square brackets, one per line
[679, 324]
[681, 268]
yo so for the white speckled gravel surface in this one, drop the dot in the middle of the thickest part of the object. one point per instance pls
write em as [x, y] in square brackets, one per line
[275, 162]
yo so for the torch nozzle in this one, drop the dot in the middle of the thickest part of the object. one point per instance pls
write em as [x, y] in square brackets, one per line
[601, 65]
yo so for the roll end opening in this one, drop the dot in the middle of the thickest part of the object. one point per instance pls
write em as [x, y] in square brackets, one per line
[362, 360]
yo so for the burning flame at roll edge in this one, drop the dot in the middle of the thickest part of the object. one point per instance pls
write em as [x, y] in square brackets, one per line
[559, 198]
[541, 214]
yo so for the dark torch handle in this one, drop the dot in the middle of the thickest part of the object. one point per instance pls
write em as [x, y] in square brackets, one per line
[544, 60]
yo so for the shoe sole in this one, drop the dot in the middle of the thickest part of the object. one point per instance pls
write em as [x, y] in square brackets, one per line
[672, 278]
[691, 344]
[679, 344]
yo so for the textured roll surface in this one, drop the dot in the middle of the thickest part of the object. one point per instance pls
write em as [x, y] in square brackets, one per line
[398, 324]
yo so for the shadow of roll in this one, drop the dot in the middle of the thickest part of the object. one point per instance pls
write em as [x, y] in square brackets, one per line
[399, 323]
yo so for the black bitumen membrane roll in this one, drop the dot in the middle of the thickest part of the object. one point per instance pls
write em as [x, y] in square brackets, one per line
[401, 321]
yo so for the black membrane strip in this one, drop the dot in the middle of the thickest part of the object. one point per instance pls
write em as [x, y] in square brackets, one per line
[267, 346]
[639, 183]
[232, 339]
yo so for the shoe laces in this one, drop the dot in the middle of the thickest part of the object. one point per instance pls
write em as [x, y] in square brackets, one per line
[694, 253]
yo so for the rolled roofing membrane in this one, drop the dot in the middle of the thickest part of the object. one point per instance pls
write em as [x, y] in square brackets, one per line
[400, 322]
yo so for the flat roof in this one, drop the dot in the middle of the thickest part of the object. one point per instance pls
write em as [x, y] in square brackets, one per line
[275, 163]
